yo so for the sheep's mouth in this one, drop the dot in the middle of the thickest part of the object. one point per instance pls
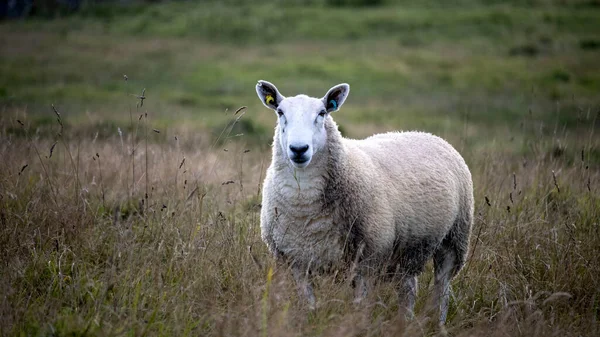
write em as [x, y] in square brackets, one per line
[300, 162]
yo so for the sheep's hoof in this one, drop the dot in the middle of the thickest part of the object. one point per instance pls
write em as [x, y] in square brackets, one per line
[442, 332]
[358, 300]
[312, 305]
[409, 315]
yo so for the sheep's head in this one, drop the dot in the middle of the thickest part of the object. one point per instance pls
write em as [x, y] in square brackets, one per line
[302, 119]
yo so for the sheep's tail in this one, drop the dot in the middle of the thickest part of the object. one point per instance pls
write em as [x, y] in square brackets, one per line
[457, 238]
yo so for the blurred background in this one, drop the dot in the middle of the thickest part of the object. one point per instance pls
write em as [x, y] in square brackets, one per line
[433, 65]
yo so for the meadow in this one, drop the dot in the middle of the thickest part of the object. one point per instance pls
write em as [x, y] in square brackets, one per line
[134, 147]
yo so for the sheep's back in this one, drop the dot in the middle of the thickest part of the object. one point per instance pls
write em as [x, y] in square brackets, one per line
[422, 177]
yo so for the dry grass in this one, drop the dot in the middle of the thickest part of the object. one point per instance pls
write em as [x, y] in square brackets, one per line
[96, 240]
[99, 239]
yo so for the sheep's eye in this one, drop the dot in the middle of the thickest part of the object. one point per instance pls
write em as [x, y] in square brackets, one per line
[322, 113]
[279, 112]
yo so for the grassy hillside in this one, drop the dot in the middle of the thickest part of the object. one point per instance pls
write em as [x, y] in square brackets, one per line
[118, 218]
[409, 67]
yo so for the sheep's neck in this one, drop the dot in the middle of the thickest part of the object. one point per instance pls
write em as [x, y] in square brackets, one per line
[305, 228]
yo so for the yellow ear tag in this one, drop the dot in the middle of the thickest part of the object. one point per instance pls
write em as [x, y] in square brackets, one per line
[269, 99]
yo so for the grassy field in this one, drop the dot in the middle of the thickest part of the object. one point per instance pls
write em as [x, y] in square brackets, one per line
[118, 218]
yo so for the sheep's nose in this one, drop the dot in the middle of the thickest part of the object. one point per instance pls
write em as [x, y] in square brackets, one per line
[298, 150]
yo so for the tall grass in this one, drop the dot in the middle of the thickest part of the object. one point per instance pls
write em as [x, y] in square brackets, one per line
[85, 252]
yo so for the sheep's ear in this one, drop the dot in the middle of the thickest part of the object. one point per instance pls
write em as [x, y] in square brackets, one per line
[336, 96]
[268, 94]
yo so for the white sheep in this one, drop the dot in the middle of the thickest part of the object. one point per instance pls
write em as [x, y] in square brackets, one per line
[385, 204]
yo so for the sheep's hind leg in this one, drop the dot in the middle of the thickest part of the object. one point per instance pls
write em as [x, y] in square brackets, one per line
[445, 268]
[305, 288]
[407, 295]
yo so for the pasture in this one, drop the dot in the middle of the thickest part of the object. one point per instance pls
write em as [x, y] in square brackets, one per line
[119, 218]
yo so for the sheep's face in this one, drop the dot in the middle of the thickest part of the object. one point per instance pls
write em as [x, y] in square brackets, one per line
[301, 128]
[301, 120]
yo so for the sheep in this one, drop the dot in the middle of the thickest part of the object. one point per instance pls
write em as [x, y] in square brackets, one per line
[386, 204]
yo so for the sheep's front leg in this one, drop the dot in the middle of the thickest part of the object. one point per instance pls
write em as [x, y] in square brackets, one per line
[360, 288]
[303, 282]
[407, 295]
[358, 281]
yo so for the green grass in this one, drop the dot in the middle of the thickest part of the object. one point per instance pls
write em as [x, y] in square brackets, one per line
[512, 85]
[493, 61]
